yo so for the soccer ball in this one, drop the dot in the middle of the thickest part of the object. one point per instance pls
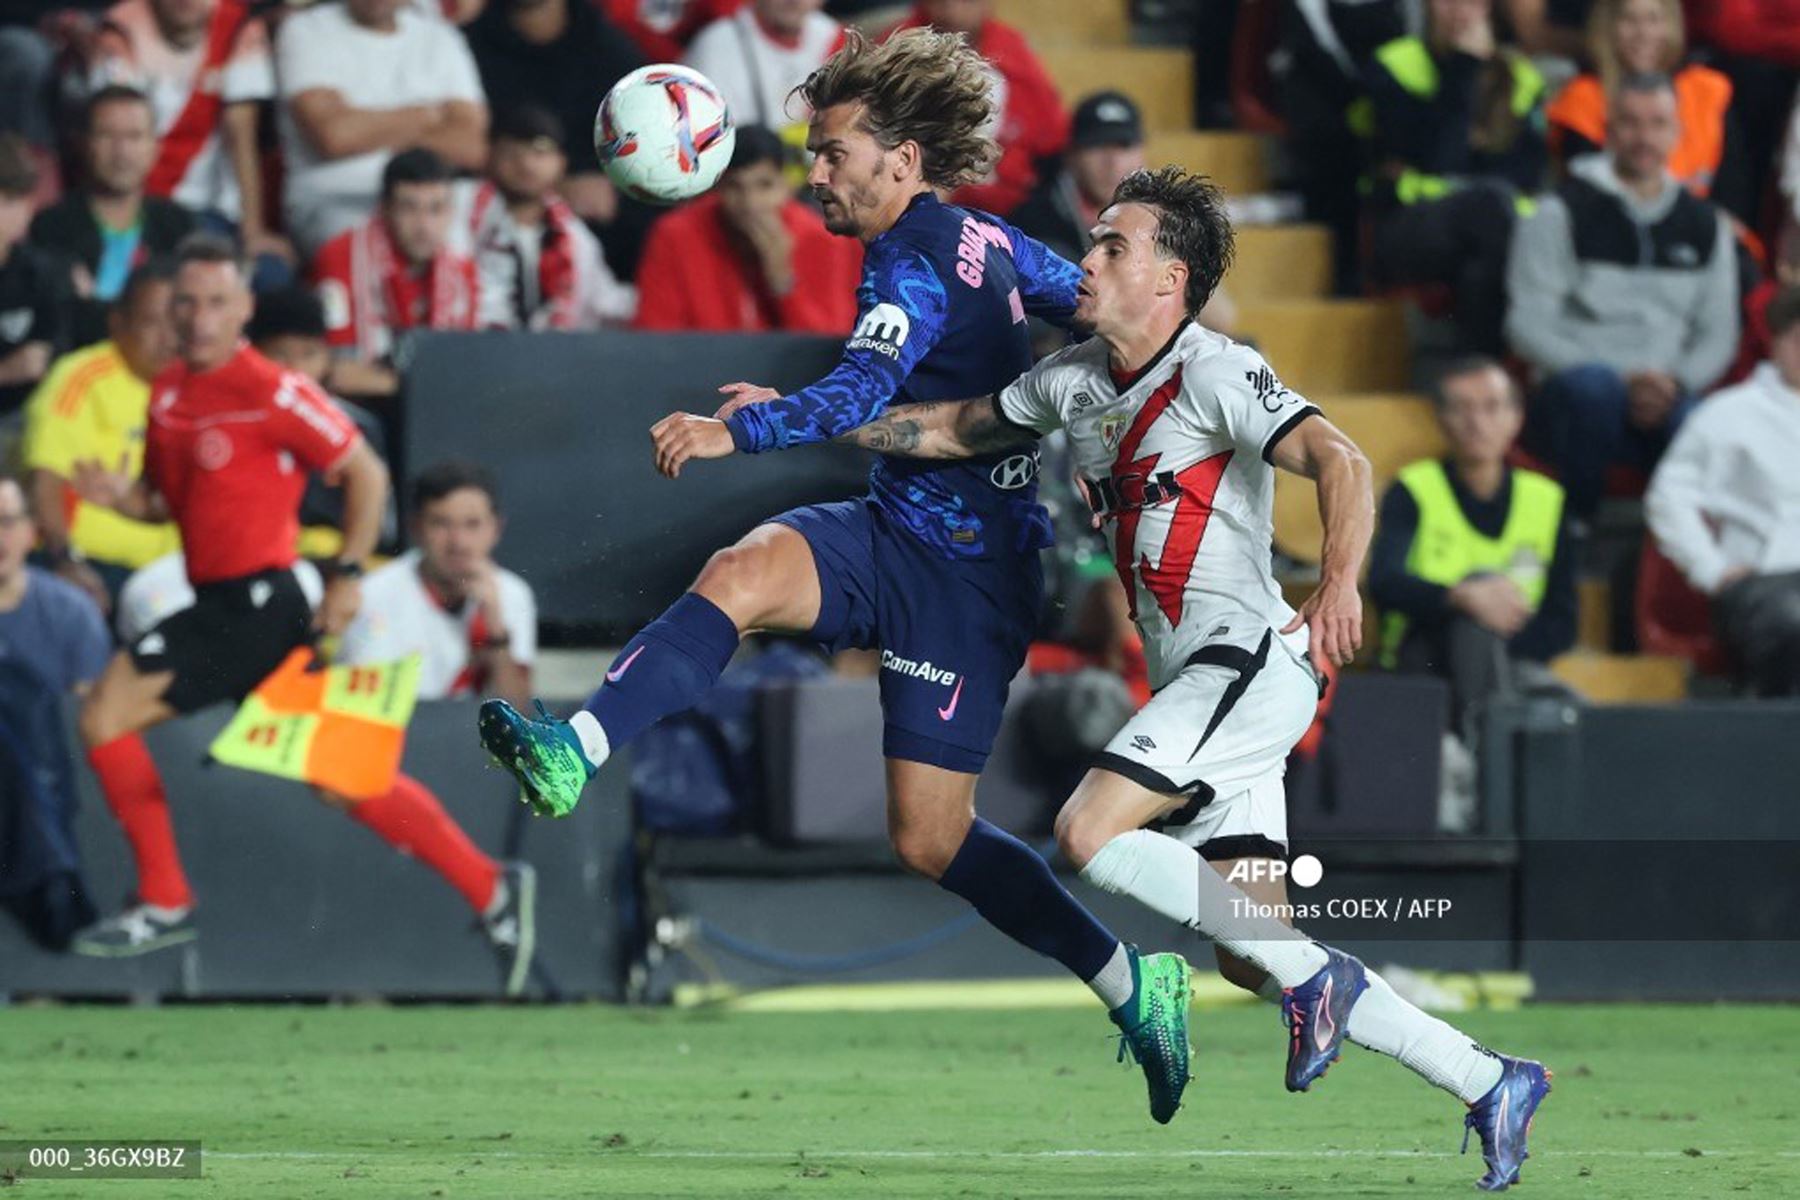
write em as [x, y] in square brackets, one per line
[663, 134]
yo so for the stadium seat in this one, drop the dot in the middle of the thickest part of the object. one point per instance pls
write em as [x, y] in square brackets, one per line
[1671, 617]
[1237, 162]
[1392, 430]
[1160, 81]
[1623, 678]
[1330, 347]
[1281, 262]
[1069, 22]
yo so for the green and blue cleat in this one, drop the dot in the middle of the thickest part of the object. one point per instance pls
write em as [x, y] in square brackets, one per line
[544, 755]
[1153, 1028]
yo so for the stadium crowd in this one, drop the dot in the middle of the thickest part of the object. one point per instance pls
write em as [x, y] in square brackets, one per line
[1599, 201]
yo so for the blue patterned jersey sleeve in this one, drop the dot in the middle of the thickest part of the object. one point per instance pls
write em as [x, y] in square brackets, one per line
[903, 312]
[1047, 280]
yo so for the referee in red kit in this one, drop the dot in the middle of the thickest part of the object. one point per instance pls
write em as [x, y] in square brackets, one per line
[230, 441]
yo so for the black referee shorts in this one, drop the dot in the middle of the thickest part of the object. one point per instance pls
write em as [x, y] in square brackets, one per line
[233, 636]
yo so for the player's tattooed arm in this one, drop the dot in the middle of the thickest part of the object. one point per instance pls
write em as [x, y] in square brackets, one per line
[938, 429]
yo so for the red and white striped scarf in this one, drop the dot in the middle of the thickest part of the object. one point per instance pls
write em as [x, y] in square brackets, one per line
[560, 270]
[389, 297]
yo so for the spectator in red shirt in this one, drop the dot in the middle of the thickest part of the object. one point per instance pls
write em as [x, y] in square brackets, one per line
[394, 272]
[749, 257]
[662, 29]
[231, 439]
[1756, 43]
[1033, 123]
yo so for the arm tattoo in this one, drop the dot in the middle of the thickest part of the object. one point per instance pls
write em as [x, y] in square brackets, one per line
[979, 429]
[938, 429]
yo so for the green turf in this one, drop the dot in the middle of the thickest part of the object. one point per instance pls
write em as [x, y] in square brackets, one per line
[542, 1103]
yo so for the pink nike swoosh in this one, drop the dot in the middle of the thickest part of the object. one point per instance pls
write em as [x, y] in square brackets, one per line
[618, 672]
[949, 710]
[1325, 1027]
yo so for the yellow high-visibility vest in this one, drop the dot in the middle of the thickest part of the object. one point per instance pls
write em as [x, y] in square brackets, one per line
[1446, 549]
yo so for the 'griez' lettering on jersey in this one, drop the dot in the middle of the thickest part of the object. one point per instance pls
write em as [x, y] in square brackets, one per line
[1136, 484]
[971, 249]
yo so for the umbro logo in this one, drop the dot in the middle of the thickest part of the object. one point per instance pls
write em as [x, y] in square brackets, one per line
[1269, 390]
[1082, 400]
[1143, 744]
[151, 644]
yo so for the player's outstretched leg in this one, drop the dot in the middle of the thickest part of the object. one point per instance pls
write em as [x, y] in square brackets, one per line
[768, 580]
[1015, 891]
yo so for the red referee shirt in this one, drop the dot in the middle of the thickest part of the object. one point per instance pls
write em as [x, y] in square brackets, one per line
[229, 449]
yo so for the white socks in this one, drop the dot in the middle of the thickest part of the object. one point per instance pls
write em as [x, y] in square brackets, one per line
[1113, 983]
[1170, 878]
[1438, 1052]
[594, 746]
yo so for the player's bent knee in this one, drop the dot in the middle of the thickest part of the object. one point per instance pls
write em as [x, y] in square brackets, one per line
[924, 851]
[738, 580]
[1081, 833]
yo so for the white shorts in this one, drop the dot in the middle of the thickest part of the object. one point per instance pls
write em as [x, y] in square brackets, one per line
[1219, 734]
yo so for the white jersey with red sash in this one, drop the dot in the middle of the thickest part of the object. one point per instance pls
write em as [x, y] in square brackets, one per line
[189, 88]
[1177, 459]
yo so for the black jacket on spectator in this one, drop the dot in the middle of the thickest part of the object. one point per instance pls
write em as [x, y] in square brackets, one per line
[1551, 629]
[1052, 215]
[70, 229]
[568, 77]
[35, 298]
[1425, 107]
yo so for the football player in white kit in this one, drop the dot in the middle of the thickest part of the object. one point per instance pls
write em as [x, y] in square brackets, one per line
[1176, 434]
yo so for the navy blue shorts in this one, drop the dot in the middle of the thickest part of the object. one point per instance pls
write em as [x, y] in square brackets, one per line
[952, 634]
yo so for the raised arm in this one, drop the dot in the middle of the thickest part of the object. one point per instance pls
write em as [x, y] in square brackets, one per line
[940, 429]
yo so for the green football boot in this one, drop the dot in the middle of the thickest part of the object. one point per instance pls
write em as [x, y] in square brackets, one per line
[544, 755]
[1153, 1028]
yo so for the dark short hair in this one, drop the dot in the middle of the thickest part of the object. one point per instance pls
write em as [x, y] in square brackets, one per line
[1784, 311]
[155, 271]
[526, 123]
[18, 167]
[1646, 83]
[115, 93]
[1192, 225]
[417, 165]
[452, 475]
[287, 312]
[757, 144]
[1461, 367]
[207, 247]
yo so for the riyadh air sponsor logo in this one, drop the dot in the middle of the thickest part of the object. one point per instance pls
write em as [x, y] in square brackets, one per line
[1015, 472]
[918, 670]
[883, 329]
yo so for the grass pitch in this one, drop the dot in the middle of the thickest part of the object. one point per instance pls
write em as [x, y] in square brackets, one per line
[542, 1103]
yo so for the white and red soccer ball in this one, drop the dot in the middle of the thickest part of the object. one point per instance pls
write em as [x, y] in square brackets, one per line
[663, 134]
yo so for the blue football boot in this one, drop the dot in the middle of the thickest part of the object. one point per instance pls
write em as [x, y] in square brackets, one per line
[1502, 1118]
[1317, 1014]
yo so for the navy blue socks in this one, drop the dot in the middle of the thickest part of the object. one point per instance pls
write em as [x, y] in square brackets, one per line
[1016, 891]
[665, 669]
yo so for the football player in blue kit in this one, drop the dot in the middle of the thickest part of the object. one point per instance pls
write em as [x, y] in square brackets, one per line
[937, 566]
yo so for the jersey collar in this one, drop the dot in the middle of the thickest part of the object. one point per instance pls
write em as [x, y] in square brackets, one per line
[1124, 380]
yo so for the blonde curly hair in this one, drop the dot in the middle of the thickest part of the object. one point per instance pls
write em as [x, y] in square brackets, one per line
[918, 86]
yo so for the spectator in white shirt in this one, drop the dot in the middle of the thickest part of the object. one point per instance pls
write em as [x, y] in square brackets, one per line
[763, 52]
[1724, 506]
[359, 81]
[473, 621]
[538, 265]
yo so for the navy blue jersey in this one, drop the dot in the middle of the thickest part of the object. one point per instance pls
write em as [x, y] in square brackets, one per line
[942, 304]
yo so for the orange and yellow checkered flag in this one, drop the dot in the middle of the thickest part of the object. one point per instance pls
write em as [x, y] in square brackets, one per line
[342, 728]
